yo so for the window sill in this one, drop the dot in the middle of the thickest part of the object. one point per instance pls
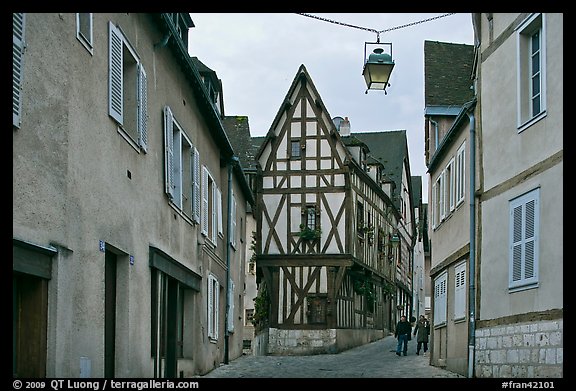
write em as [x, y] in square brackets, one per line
[531, 122]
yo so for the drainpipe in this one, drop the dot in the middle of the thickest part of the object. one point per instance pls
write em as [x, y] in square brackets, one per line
[472, 274]
[233, 161]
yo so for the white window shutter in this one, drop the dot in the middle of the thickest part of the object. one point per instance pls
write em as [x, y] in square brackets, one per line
[524, 228]
[516, 274]
[210, 307]
[529, 238]
[205, 217]
[216, 213]
[233, 217]
[460, 292]
[196, 201]
[440, 300]
[231, 306]
[169, 151]
[115, 81]
[18, 25]
[216, 308]
[142, 108]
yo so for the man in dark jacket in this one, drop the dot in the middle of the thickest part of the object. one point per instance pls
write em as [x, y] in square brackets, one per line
[403, 330]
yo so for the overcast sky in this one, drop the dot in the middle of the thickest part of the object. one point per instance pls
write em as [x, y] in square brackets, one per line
[257, 56]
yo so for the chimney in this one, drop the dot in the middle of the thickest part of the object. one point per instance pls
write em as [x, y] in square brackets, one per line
[344, 127]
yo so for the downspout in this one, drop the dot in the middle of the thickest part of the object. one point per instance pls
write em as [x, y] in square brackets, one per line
[233, 161]
[472, 274]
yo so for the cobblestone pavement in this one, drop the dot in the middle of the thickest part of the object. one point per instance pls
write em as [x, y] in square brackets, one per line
[374, 360]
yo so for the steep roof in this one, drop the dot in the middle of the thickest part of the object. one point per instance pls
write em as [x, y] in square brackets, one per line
[390, 148]
[447, 73]
[238, 131]
[416, 191]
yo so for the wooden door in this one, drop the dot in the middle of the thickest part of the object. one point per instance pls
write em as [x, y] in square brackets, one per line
[29, 325]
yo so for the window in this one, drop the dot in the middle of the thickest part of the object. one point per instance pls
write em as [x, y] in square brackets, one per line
[460, 291]
[531, 70]
[182, 168]
[450, 187]
[524, 241]
[438, 200]
[460, 173]
[249, 317]
[18, 22]
[84, 30]
[311, 217]
[295, 149]
[127, 89]
[360, 219]
[440, 299]
[211, 207]
[213, 306]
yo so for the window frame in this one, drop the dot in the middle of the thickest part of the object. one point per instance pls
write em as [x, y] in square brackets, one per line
[213, 308]
[127, 110]
[461, 174]
[87, 41]
[211, 219]
[535, 24]
[181, 180]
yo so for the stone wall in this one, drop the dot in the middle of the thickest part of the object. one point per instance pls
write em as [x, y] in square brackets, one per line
[324, 341]
[531, 349]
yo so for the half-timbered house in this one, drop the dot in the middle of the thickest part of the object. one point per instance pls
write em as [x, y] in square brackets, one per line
[325, 253]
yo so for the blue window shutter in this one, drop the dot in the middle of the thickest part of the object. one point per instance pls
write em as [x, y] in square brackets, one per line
[18, 21]
[196, 201]
[115, 84]
[169, 151]
[142, 108]
[205, 217]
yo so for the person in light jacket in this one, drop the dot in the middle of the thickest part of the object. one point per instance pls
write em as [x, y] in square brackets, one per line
[421, 331]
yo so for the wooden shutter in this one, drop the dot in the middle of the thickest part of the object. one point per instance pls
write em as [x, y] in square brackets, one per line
[169, 151]
[142, 108]
[205, 217]
[115, 81]
[18, 24]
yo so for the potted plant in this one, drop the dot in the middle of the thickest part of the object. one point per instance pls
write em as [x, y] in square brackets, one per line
[308, 233]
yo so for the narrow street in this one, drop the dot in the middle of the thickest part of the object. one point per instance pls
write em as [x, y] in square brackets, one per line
[373, 360]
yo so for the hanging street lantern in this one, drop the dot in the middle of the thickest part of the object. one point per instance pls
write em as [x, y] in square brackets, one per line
[378, 67]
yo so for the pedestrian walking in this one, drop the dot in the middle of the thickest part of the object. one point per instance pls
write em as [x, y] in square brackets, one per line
[402, 333]
[422, 331]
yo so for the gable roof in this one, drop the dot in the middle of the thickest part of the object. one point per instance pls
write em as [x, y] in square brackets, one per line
[447, 73]
[302, 75]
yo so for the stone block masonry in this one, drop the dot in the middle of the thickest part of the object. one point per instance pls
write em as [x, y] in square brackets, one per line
[529, 350]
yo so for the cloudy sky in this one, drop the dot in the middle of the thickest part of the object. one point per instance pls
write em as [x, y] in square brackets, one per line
[257, 56]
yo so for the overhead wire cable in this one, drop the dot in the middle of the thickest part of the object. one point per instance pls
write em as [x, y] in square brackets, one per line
[377, 32]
